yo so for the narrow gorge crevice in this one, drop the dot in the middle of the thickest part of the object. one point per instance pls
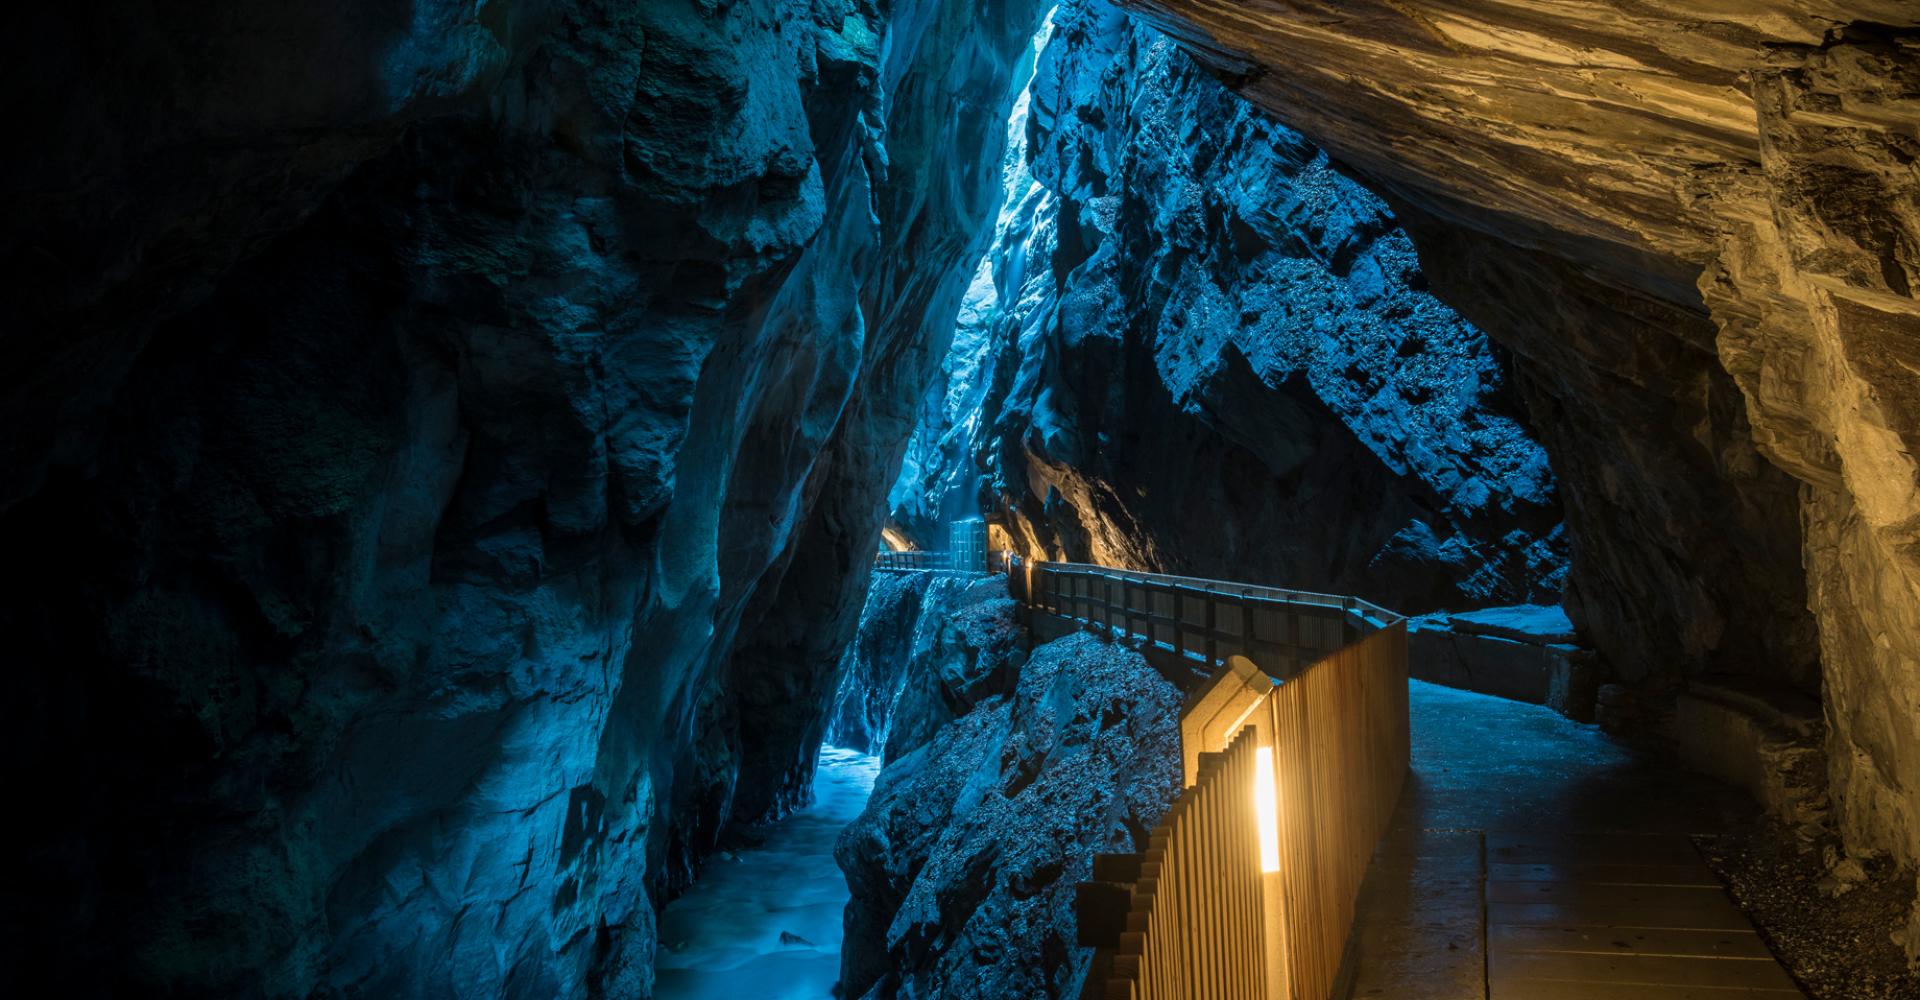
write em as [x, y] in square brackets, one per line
[1189, 309]
[448, 443]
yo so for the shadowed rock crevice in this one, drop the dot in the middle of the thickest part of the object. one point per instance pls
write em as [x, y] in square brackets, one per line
[449, 444]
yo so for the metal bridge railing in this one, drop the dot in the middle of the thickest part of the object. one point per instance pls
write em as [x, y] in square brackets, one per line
[942, 561]
[913, 560]
[1282, 631]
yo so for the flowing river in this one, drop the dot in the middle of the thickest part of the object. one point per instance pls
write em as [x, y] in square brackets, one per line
[765, 923]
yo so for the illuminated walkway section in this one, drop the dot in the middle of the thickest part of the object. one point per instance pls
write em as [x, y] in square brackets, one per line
[1534, 858]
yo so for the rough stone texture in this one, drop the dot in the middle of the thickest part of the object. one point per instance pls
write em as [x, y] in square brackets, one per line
[1762, 738]
[444, 446]
[1842, 939]
[1196, 347]
[1698, 229]
[963, 866]
[976, 653]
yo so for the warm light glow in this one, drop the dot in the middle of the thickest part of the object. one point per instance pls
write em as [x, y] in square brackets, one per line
[1266, 809]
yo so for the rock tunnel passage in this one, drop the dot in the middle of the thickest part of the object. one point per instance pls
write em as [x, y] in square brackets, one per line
[1528, 855]
[445, 442]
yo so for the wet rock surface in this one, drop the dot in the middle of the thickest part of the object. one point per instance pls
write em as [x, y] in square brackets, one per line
[963, 865]
[930, 646]
[900, 609]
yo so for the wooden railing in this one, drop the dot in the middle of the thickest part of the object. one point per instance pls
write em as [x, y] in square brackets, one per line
[1229, 899]
[1340, 747]
[1188, 914]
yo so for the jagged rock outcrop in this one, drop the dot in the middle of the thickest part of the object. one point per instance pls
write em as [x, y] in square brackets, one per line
[1197, 347]
[445, 444]
[979, 643]
[1699, 233]
[963, 865]
[929, 645]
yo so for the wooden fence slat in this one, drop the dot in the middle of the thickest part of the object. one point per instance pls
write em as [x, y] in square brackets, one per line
[1197, 924]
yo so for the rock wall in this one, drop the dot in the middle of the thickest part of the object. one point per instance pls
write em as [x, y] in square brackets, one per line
[445, 443]
[1196, 347]
[1699, 233]
[963, 865]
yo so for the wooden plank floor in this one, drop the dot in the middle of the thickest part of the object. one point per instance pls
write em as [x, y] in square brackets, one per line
[1605, 916]
[1498, 882]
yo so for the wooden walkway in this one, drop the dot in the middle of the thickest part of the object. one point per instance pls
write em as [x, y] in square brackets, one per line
[1605, 916]
[1535, 859]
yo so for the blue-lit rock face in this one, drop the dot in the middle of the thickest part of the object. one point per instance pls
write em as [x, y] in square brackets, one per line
[446, 448]
[963, 864]
[1196, 346]
[901, 613]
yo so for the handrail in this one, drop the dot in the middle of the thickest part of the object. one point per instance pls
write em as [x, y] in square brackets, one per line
[939, 561]
[913, 560]
[1222, 587]
[1191, 619]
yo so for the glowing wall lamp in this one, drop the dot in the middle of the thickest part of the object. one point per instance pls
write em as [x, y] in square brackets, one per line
[1266, 808]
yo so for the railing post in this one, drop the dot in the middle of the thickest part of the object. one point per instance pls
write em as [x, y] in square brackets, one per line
[1246, 629]
[1126, 599]
[1179, 620]
[1212, 617]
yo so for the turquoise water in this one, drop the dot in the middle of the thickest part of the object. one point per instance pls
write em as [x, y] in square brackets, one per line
[722, 939]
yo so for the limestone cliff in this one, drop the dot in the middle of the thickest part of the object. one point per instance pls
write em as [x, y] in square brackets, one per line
[963, 865]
